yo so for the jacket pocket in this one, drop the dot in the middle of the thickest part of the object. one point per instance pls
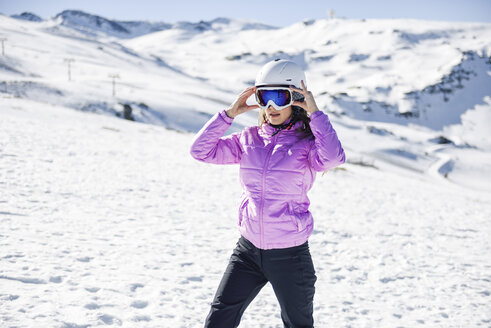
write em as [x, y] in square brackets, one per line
[295, 217]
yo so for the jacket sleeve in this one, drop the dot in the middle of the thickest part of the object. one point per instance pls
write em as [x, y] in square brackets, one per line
[327, 152]
[210, 146]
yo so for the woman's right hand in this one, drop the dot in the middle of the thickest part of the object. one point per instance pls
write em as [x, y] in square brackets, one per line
[240, 106]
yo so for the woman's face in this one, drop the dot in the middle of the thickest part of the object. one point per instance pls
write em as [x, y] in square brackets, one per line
[277, 117]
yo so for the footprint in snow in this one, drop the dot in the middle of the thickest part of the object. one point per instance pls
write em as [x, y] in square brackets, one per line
[9, 297]
[139, 304]
[92, 289]
[142, 318]
[110, 320]
[73, 325]
[195, 278]
[55, 280]
[92, 306]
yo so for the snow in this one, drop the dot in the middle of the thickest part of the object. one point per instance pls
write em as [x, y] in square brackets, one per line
[105, 221]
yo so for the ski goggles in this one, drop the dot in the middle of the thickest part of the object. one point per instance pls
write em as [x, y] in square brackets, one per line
[278, 97]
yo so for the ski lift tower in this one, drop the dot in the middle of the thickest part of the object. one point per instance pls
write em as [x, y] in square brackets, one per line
[114, 77]
[69, 61]
[3, 46]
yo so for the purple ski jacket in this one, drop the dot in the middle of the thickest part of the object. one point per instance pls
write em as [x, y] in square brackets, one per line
[276, 172]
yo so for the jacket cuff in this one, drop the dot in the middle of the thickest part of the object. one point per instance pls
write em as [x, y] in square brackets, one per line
[225, 117]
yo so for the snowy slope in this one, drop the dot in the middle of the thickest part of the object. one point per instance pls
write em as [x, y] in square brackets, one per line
[109, 222]
[40, 72]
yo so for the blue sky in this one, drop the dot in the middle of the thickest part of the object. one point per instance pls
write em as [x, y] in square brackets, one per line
[278, 13]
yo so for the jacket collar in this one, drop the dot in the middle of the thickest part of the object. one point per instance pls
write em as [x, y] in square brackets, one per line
[267, 130]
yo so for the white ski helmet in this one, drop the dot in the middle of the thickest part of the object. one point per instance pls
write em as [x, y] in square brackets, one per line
[280, 72]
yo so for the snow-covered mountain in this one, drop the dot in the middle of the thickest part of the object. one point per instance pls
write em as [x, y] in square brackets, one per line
[423, 87]
[98, 26]
[94, 25]
[28, 16]
[369, 70]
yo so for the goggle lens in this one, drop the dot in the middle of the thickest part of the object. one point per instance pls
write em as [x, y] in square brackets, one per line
[281, 97]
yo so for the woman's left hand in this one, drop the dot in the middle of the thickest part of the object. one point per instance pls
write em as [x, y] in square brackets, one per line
[309, 103]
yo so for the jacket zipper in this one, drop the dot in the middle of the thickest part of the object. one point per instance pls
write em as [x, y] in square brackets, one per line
[266, 162]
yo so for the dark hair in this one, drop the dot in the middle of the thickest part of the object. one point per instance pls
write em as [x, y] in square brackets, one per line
[305, 118]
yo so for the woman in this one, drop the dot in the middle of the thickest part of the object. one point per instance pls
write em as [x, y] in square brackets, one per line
[278, 163]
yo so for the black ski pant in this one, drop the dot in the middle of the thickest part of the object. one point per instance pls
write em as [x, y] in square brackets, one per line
[290, 272]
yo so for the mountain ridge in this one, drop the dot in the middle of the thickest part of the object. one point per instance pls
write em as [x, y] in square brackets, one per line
[94, 25]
